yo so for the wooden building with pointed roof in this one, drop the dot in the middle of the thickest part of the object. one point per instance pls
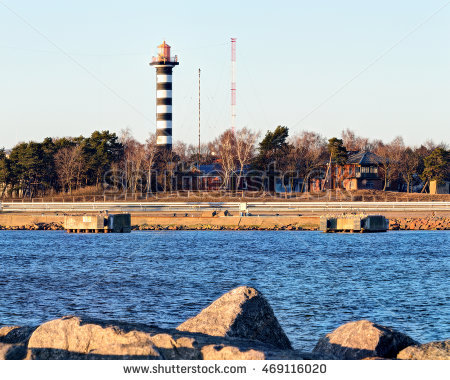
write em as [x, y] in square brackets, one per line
[361, 171]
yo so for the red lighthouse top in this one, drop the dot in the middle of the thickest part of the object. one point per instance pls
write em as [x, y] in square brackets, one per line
[164, 56]
[164, 51]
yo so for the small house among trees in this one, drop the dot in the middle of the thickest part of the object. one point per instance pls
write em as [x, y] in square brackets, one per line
[360, 170]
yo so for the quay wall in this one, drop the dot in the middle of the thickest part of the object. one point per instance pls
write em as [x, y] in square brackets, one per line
[266, 222]
[151, 222]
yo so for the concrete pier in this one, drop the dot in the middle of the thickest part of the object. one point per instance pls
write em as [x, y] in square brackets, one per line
[119, 223]
[97, 223]
[354, 223]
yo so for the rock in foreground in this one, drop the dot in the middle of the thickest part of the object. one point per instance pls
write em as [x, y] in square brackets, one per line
[363, 339]
[76, 338]
[72, 338]
[15, 334]
[427, 351]
[242, 313]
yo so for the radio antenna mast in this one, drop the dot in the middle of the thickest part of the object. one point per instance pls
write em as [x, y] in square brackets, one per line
[198, 157]
[233, 85]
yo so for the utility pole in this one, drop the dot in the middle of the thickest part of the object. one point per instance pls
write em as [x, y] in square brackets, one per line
[198, 158]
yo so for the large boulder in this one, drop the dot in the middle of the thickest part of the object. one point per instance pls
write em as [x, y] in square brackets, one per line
[15, 334]
[428, 351]
[79, 338]
[73, 338]
[363, 339]
[244, 313]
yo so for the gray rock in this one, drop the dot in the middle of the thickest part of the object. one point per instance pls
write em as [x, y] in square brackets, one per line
[363, 339]
[12, 351]
[243, 313]
[15, 334]
[428, 351]
[77, 338]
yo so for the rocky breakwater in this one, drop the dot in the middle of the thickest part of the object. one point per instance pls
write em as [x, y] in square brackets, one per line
[430, 223]
[240, 325]
[35, 226]
[216, 227]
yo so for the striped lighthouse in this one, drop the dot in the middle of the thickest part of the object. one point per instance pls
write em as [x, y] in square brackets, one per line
[164, 64]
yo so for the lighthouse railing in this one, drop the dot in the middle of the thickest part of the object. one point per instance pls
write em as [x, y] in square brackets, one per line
[165, 59]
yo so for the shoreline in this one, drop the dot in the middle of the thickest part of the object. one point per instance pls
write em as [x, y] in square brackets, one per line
[54, 222]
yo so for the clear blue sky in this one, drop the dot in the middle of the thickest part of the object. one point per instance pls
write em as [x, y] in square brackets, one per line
[292, 56]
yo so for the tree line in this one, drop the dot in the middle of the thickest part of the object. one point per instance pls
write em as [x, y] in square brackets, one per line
[62, 165]
[58, 164]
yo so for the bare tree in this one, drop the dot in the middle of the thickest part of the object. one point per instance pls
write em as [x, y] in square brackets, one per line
[430, 145]
[149, 161]
[138, 159]
[353, 142]
[374, 145]
[134, 159]
[192, 152]
[226, 148]
[409, 166]
[310, 150]
[5, 172]
[245, 149]
[167, 162]
[127, 141]
[208, 152]
[391, 155]
[69, 165]
[180, 148]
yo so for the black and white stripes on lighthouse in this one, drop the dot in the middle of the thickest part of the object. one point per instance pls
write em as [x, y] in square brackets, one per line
[164, 64]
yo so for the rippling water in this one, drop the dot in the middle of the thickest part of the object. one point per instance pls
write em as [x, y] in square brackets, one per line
[314, 281]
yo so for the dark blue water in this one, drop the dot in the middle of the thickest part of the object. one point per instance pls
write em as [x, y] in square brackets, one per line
[314, 281]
